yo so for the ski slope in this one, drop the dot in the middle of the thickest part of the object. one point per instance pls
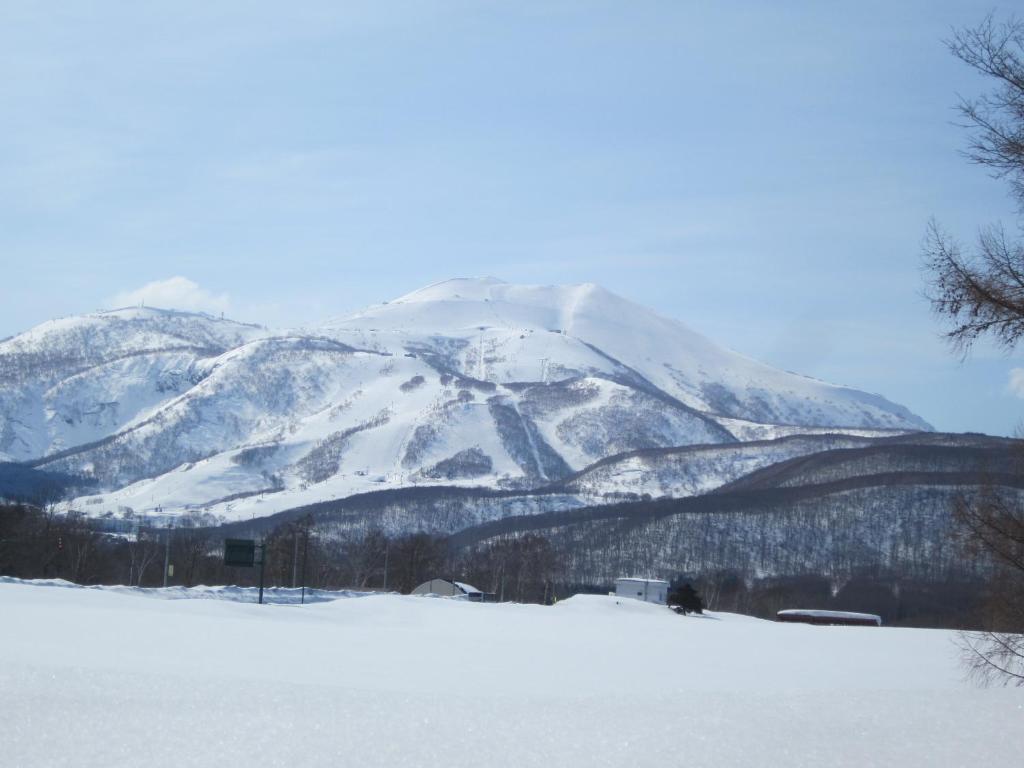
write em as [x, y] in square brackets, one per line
[113, 677]
[470, 381]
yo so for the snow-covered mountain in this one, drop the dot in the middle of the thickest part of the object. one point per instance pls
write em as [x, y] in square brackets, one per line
[468, 381]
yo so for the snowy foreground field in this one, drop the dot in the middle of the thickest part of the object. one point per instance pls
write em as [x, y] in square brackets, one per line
[120, 677]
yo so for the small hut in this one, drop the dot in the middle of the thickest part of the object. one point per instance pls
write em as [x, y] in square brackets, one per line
[648, 590]
[829, 618]
[446, 588]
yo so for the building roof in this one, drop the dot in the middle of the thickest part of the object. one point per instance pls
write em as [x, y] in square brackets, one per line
[830, 614]
[446, 588]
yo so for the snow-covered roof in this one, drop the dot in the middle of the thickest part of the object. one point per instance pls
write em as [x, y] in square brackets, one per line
[830, 614]
[467, 588]
[644, 581]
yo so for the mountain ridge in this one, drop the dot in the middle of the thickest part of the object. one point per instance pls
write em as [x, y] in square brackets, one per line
[465, 380]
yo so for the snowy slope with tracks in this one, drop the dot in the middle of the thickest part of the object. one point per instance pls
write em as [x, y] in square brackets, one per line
[466, 382]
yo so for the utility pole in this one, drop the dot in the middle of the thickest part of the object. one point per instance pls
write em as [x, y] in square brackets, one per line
[481, 370]
[305, 552]
[387, 548]
[262, 547]
[167, 552]
[295, 556]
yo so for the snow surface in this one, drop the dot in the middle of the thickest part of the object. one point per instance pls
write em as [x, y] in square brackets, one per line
[105, 677]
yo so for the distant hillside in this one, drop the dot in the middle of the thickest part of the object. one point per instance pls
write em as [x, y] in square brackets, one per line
[884, 506]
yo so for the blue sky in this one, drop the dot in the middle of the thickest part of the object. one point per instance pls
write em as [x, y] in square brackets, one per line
[762, 171]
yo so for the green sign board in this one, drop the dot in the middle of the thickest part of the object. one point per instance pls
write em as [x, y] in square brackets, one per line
[240, 552]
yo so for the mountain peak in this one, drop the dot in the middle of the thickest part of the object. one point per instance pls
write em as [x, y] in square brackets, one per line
[472, 380]
[453, 289]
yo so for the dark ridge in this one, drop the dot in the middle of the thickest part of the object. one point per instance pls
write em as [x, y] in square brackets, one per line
[84, 366]
[370, 500]
[922, 439]
[180, 313]
[437, 362]
[242, 495]
[523, 386]
[718, 498]
[730, 502]
[999, 460]
[201, 351]
[22, 483]
[692, 449]
[637, 380]
[82, 448]
[307, 342]
[914, 438]
[331, 346]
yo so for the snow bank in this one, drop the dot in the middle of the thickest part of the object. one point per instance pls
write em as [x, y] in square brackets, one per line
[101, 677]
[275, 595]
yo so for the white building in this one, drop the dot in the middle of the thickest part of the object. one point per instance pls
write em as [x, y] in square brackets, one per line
[446, 588]
[648, 590]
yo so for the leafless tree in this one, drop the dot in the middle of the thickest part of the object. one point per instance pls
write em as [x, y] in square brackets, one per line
[143, 550]
[520, 568]
[190, 543]
[415, 558]
[992, 525]
[980, 294]
[365, 555]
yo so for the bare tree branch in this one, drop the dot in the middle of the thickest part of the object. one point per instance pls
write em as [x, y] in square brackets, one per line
[980, 294]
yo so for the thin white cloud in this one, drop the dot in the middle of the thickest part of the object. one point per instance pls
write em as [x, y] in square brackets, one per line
[1016, 383]
[173, 293]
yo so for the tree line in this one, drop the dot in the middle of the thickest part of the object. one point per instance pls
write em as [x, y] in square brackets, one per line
[528, 567]
[38, 543]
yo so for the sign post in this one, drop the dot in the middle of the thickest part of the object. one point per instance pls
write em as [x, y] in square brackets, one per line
[263, 558]
[241, 553]
[167, 555]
